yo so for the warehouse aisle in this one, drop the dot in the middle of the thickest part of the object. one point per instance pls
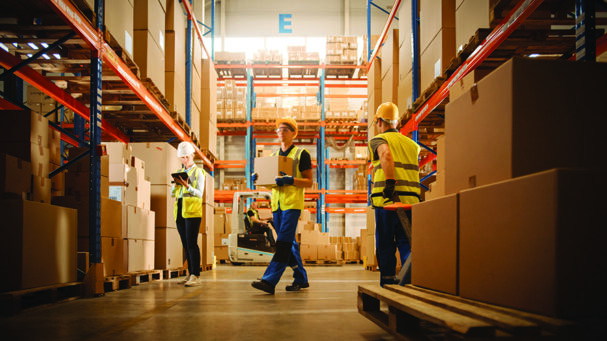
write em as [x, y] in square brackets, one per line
[225, 307]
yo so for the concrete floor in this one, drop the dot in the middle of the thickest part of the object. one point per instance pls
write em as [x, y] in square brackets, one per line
[225, 307]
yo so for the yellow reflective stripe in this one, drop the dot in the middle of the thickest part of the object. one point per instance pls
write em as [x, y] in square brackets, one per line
[399, 183]
[401, 165]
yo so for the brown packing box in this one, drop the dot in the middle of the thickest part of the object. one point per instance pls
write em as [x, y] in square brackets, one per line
[175, 19]
[434, 16]
[137, 189]
[113, 216]
[517, 119]
[196, 92]
[162, 156]
[175, 92]
[533, 243]
[404, 36]
[149, 15]
[389, 53]
[83, 166]
[15, 175]
[464, 84]
[389, 86]
[207, 249]
[168, 249]
[435, 238]
[77, 184]
[40, 247]
[163, 205]
[269, 167]
[25, 126]
[112, 256]
[139, 254]
[309, 252]
[208, 197]
[405, 93]
[208, 220]
[436, 57]
[149, 57]
[374, 78]
[119, 22]
[40, 160]
[118, 152]
[139, 223]
[208, 136]
[222, 252]
[327, 252]
[41, 189]
[469, 17]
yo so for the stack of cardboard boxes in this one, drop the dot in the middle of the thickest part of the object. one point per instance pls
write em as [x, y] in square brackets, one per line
[390, 67]
[41, 241]
[207, 131]
[342, 50]
[223, 228]
[175, 57]
[231, 102]
[149, 40]
[516, 225]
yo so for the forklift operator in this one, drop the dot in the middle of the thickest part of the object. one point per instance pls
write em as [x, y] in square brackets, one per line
[287, 205]
[259, 225]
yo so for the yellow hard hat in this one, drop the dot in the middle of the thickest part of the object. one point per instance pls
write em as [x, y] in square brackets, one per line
[387, 111]
[288, 121]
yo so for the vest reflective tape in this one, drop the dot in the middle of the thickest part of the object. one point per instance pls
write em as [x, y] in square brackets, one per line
[191, 204]
[289, 196]
[406, 170]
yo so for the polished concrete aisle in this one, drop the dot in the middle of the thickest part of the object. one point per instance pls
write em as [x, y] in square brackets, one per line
[225, 307]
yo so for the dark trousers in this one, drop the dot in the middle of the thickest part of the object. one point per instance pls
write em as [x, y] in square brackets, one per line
[264, 228]
[389, 236]
[188, 229]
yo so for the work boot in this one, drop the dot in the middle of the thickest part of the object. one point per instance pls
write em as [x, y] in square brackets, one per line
[263, 285]
[297, 286]
[194, 281]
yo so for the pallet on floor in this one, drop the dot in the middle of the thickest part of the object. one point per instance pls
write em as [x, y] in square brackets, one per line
[323, 262]
[174, 273]
[147, 276]
[13, 302]
[409, 308]
[118, 282]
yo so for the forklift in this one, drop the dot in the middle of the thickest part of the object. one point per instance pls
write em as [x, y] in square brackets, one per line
[245, 247]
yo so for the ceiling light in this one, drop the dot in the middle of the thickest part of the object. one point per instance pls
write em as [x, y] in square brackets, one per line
[4, 47]
[16, 45]
[29, 55]
[46, 56]
[45, 45]
[32, 45]
[57, 55]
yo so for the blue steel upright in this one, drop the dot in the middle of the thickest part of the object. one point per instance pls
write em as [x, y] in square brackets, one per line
[585, 30]
[249, 147]
[415, 72]
[320, 209]
[95, 140]
[188, 72]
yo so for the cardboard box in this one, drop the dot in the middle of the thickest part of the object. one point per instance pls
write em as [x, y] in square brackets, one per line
[118, 152]
[532, 243]
[175, 19]
[389, 53]
[168, 249]
[515, 121]
[149, 57]
[163, 205]
[436, 57]
[112, 256]
[15, 175]
[113, 216]
[269, 167]
[84, 165]
[207, 249]
[139, 223]
[327, 252]
[469, 17]
[162, 156]
[222, 252]
[389, 85]
[435, 15]
[208, 219]
[26, 126]
[435, 241]
[139, 255]
[150, 16]
[208, 136]
[175, 92]
[41, 189]
[405, 93]
[40, 160]
[41, 244]
[119, 22]
[309, 252]
[137, 189]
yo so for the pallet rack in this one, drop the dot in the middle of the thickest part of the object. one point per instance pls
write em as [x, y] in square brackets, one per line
[94, 48]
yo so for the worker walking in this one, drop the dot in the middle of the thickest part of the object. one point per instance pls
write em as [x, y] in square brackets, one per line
[188, 210]
[260, 225]
[394, 158]
[287, 205]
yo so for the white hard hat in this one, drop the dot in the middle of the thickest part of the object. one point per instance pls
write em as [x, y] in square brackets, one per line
[185, 149]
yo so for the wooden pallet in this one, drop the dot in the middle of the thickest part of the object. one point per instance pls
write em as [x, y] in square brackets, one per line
[340, 73]
[206, 267]
[324, 262]
[114, 283]
[174, 273]
[454, 317]
[371, 267]
[139, 277]
[13, 302]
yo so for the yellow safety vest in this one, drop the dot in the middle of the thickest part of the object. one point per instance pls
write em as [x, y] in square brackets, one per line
[191, 206]
[406, 170]
[250, 218]
[290, 197]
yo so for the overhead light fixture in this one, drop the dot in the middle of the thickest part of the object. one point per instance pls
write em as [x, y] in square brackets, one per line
[16, 45]
[45, 45]
[46, 56]
[57, 55]
[4, 47]
[32, 45]
[534, 55]
[29, 55]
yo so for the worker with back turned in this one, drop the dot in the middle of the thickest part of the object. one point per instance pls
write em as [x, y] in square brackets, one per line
[287, 205]
[394, 158]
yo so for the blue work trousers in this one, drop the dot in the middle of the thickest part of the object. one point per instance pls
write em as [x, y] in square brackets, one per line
[287, 249]
[389, 235]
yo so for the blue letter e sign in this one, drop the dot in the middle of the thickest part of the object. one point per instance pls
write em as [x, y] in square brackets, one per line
[285, 23]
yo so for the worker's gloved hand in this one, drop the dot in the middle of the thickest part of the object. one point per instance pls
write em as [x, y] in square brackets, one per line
[388, 192]
[254, 177]
[284, 179]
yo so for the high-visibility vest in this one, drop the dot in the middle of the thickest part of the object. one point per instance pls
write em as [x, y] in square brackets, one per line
[191, 206]
[289, 196]
[255, 213]
[405, 153]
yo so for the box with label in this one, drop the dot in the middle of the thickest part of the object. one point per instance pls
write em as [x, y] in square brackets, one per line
[516, 120]
[139, 223]
[534, 243]
[139, 254]
[112, 256]
[269, 167]
[162, 156]
[163, 205]
[137, 192]
[41, 189]
[168, 249]
[41, 244]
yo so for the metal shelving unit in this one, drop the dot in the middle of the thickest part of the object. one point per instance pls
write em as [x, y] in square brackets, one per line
[102, 54]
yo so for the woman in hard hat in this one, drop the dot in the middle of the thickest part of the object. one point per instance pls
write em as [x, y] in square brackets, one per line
[188, 210]
[287, 205]
[394, 157]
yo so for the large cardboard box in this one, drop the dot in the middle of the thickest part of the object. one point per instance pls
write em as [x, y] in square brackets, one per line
[469, 17]
[436, 57]
[175, 19]
[112, 256]
[41, 189]
[137, 189]
[175, 92]
[533, 243]
[269, 167]
[515, 122]
[39, 248]
[309, 252]
[434, 15]
[84, 165]
[207, 249]
[208, 135]
[208, 220]
[150, 16]
[15, 175]
[149, 57]
[119, 22]
[435, 244]
[118, 153]
[113, 216]
[405, 93]
[168, 249]
[163, 204]
[139, 223]
[162, 156]
[26, 126]
[139, 254]
[405, 54]
[389, 53]
[389, 84]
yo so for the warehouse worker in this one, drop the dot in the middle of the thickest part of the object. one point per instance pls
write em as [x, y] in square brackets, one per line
[287, 205]
[258, 224]
[394, 158]
[188, 210]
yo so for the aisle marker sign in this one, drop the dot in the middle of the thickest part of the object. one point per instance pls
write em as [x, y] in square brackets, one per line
[285, 23]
